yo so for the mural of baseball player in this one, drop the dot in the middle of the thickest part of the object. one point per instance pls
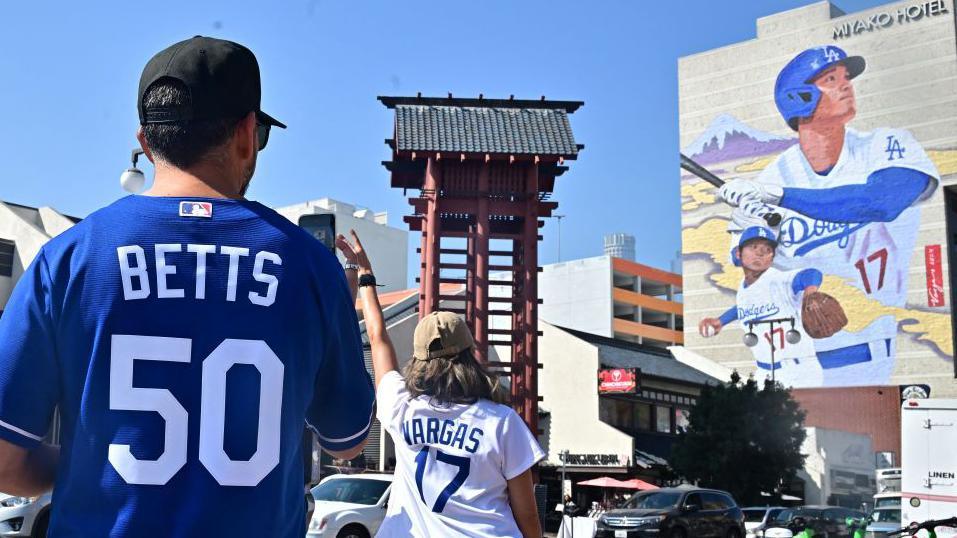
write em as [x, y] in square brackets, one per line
[848, 200]
[769, 293]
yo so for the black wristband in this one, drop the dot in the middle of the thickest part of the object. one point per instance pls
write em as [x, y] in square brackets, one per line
[367, 279]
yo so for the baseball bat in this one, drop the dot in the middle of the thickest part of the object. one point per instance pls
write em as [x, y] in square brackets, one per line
[773, 219]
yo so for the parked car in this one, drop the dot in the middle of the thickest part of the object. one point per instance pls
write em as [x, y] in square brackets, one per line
[759, 518]
[684, 512]
[882, 521]
[24, 516]
[827, 521]
[350, 505]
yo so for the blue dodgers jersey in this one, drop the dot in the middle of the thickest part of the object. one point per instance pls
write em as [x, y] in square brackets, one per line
[185, 342]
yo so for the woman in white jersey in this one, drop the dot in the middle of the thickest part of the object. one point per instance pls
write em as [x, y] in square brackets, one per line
[463, 458]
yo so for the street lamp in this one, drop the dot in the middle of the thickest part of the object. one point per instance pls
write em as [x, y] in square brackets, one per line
[564, 456]
[132, 179]
[792, 336]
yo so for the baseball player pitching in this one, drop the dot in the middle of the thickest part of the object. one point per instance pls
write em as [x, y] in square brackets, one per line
[848, 200]
[769, 293]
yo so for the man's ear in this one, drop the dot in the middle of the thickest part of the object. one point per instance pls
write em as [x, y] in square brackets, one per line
[142, 139]
[245, 142]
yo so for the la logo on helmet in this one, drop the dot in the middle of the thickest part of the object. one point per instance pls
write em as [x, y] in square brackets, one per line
[831, 54]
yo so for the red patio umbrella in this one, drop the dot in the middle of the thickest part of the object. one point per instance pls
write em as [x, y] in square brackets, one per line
[638, 484]
[603, 482]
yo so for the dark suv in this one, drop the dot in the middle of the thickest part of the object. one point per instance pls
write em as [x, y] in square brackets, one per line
[825, 521]
[674, 513]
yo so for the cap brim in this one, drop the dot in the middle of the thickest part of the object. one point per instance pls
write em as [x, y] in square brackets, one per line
[773, 242]
[855, 65]
[269, 120]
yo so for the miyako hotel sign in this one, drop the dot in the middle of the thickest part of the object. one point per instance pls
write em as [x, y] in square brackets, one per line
[884, 19]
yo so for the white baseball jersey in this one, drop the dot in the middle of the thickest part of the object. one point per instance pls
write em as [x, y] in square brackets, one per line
[873, 256]
[452, 464]
[771, 297]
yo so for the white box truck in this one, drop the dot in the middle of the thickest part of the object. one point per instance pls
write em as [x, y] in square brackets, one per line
[929, 461]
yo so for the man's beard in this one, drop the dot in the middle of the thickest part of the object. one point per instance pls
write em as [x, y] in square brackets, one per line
[248, 175]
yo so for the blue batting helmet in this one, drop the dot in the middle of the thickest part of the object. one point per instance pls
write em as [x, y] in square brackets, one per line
[794, 94]
[757, 232]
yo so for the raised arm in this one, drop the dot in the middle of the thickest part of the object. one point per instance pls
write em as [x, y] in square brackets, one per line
[383, 353]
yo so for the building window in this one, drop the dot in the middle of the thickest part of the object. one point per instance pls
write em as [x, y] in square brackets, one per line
[642, 416]
[6, 257]
[662, 419]
[625, 414]
[618, 413]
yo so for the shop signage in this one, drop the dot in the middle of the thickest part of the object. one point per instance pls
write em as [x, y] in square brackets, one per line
[884, 19]
[617, 380]
[596, 460]
[915, 392]
[935, 276]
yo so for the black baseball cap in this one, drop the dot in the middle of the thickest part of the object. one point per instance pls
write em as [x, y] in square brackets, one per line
[222, 78]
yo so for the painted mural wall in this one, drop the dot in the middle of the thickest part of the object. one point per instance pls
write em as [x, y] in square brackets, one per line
[836, 136]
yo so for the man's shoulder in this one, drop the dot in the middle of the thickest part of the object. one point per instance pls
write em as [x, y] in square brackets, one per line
[297, 236]
[779, 166]
[878, 136]
[79, 234]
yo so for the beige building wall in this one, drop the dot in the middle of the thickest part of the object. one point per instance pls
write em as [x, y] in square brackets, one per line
[569, 388]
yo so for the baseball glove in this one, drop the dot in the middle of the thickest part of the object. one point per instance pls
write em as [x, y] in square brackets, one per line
[822, 315]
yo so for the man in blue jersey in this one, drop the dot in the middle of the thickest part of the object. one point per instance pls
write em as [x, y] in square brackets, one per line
[186, 335]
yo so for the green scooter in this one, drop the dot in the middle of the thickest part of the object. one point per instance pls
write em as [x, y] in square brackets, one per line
[857, 526]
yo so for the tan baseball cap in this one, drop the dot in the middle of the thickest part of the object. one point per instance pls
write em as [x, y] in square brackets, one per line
[450, 329]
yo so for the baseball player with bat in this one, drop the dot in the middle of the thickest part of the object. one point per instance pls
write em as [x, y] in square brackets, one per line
[769, 293]
[848, 201]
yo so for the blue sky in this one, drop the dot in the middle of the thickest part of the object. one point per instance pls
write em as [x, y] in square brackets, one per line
[69, 75]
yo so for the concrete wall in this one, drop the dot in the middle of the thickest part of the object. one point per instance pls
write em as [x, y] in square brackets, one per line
[726, 98]
[871, 411]
[387, 246]
[577, 294]
[834, 450]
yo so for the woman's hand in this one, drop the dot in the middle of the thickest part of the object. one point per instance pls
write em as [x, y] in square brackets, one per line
[383, 354]
[354, 252]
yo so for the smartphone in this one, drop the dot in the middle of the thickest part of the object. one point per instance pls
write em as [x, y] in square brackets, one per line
[322, 227]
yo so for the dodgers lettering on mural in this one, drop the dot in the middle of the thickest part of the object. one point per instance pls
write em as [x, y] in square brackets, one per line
[855, 157]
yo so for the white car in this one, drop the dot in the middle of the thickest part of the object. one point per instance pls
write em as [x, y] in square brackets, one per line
[24, 516]
[350, 505]
[757, 519]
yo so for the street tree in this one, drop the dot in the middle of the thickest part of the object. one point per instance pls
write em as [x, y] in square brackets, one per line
[742, 439]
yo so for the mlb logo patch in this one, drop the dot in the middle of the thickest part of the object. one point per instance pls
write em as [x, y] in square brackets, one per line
[196, 209]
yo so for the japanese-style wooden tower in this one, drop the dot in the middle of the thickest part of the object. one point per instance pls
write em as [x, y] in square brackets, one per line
[485, 170]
